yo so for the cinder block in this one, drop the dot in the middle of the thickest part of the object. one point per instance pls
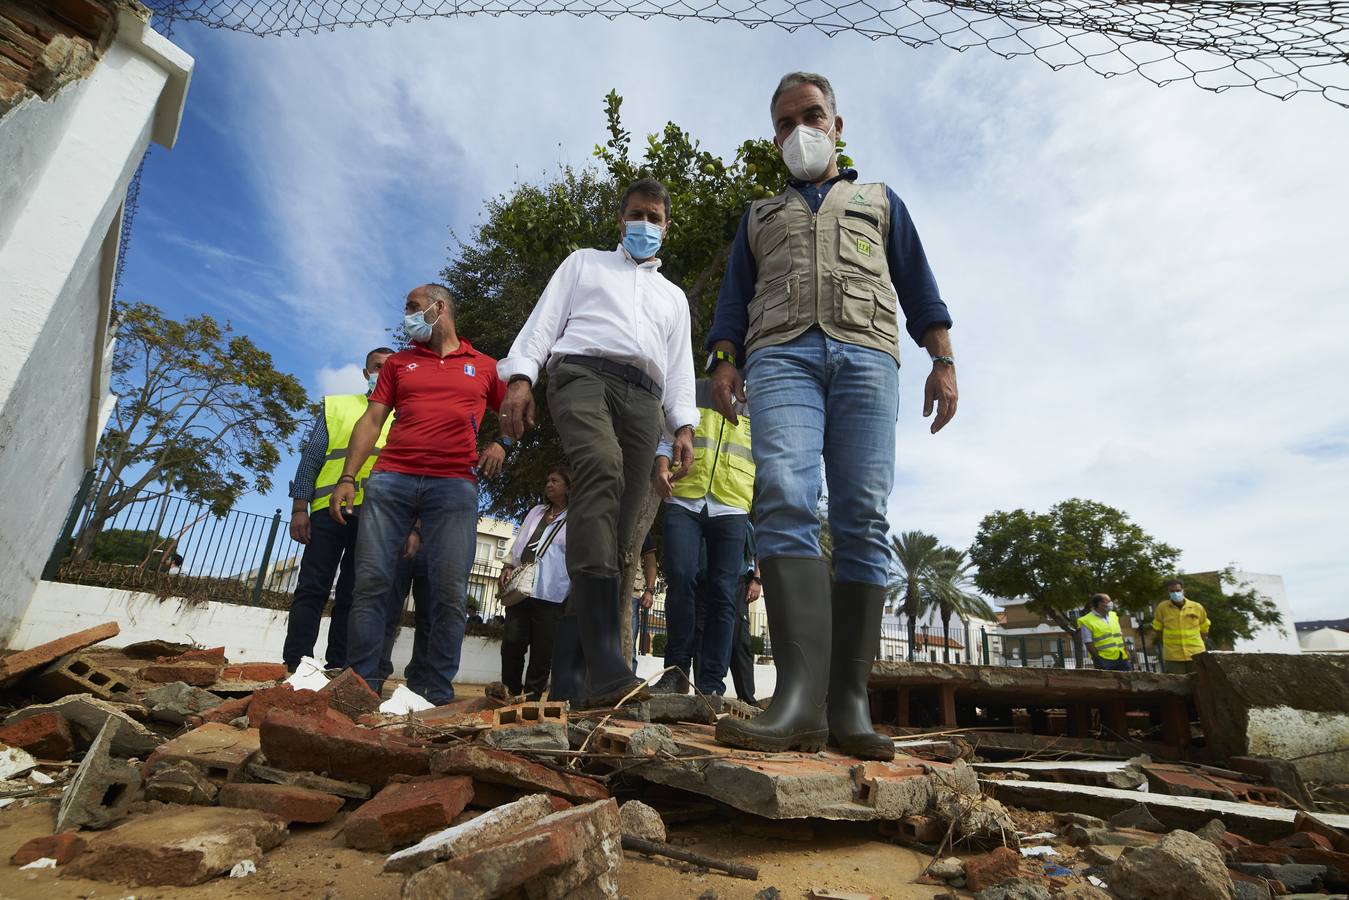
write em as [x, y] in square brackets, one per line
[78, 674]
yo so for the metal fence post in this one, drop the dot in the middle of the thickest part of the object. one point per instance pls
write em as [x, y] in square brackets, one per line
[266, 558]
[59, 551]
[1063, 662]
[1025, 659]
[984, 633]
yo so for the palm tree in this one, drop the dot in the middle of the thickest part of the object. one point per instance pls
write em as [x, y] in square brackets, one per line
[948, 586]
[915, 552]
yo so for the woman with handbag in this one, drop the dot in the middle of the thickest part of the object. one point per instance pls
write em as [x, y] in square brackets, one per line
[534, 585]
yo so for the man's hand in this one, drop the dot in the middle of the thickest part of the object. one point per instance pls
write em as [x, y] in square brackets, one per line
[752, 591]
[412, 544]
[941, 391]
[682, 463]
[517, 410]
[506, 571]
[299, 526]
[727, 387]
[662, 480]
[648, 599]
[341, 503]
[490, 460]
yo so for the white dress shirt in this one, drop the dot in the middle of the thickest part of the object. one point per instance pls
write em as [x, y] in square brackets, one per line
[605, 304]
[551, 583]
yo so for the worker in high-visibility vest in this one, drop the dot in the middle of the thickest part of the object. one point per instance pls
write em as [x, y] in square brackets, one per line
[1184, 627]
[329, 546]
[1102, 636]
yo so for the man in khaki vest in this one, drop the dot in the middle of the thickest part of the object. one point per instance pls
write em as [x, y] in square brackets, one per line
[809, 307]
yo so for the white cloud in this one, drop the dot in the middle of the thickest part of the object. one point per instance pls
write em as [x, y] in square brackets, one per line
[342, 380]
[1148, 284]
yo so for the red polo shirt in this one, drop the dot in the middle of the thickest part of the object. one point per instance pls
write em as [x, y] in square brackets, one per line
[438, 408]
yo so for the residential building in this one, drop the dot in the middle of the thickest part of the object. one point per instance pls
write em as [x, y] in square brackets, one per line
[1323, 636]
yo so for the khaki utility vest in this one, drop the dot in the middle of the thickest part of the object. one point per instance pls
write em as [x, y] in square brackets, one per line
[825, 269]
[340, 413]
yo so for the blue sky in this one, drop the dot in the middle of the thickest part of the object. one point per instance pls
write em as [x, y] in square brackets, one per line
[1148, 284]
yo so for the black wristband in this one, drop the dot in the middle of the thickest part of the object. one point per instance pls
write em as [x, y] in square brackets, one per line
[346, 478]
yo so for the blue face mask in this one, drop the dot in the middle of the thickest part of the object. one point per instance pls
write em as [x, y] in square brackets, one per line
[1177, 596]
[642, 239]
[417, 327]
[370, 383]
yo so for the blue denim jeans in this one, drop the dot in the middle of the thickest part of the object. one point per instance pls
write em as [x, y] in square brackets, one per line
[1114, 665]
[327, 555]
[685, 535]
[448, 509]
[816, 397]
[411, 573]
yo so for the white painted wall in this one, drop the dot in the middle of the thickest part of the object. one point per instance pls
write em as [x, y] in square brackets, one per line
[248, 634]
[1268, 639]
[64, 169]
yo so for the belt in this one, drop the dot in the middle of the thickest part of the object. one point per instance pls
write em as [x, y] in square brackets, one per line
[630, 374]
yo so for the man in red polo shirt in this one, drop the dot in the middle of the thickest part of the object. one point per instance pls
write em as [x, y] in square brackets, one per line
[427, 471]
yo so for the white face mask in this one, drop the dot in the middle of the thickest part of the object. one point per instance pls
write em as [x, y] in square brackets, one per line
[807, 152]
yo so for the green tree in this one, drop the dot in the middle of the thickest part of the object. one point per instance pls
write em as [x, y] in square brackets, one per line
[915, 553]
[949, 587]
[1057, 560]
[200, 410]
[128, 546]
[1235, 611]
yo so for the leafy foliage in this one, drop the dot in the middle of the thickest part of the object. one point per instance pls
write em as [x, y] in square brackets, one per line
[200, 410]
[926, 576]
[1232, 616]
[1057, 560]
[498, 275]
[130, 547]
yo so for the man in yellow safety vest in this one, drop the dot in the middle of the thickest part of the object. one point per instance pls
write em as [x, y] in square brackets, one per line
[1184, 627]
[1102, 636]
[707, 504]
[329, 547]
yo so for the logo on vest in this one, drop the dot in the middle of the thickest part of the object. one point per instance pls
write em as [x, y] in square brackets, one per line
[470, 371]
[859, 199]
[864, 247]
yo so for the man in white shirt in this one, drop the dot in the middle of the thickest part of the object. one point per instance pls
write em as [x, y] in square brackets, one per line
[614, 336]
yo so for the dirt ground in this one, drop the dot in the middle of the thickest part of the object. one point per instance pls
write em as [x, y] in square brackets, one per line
[313, 864]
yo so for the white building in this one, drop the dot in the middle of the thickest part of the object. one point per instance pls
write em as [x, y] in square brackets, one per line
[1268, 639]
[74, 124]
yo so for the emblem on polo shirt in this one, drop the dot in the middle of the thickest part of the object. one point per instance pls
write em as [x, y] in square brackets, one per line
[470, 371]
[411, 366]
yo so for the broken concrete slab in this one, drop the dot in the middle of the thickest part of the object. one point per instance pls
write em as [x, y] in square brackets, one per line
[220, 751]
[175, 701]
[16, 665]
[182, 783]
[346, 751]
[700, 709]
[79, 674]
[641, 821]
[573, 853]
[1121, 774]
[1253, 820]
[407, 811]
[87, 715]
[293, 804]
[1137, 816]
[349, 789]
[539, 736]
[486, 830]
[1180, 867]
[499, 767]
[179, 847]
[1281, 705]
[102, 789]
[46, 736]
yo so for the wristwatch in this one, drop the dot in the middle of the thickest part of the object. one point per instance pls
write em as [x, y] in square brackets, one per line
[716, 358]
[945, 360]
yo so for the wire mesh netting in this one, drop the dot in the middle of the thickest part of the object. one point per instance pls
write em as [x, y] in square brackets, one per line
[1278, 48]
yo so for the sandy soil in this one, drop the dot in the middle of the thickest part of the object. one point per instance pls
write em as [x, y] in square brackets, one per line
[313, 864]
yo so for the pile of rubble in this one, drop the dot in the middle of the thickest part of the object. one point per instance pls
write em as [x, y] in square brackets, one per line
[165, 764]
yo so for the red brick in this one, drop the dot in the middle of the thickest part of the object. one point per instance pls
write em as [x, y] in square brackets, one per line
[283, 696]
[1302, 839]
[992, 868]
[61, 847]
[500, 767]
[340, 749]
[46, 736]
[212, 655]
[1258, 854]
[218, 750]
[1315, 856]
[24, 661]
[350, 694]
[294, 804]
[198, 674]
[407, 811]
[226, 712]
[254, 672]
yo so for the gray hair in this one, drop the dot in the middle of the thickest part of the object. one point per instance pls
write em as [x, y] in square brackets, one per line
[439, 292]
[796, 79]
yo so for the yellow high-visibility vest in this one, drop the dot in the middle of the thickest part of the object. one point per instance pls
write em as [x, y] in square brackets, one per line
[340, 413]
[1106, 636]
[722, 462]
[1183, 628]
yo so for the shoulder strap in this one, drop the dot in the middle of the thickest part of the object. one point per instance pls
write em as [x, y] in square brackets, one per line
[550, 534]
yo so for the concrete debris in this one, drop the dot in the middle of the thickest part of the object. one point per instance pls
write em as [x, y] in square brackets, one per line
[642, 821]
[174, 702]
[15, 762]
[340, 750]
[286, 802]
[1139, 817]
[483, 831]
[1296, 878]
[1180, 867]
[540, 736]
[182, 783]
[947, 869]
[218, 750]
[500, 767]
[349, 789]
[405, 811]
[350, 695]
[243, 869]
[1013, 889]
[87, 716]
[16, 665]
[77, 674]
[103, 788]
[179, 847]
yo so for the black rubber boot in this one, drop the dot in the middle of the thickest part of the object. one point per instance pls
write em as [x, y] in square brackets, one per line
[568, 678]
[857, 612]
[675, 681]
[597, 616]
[796, 595]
